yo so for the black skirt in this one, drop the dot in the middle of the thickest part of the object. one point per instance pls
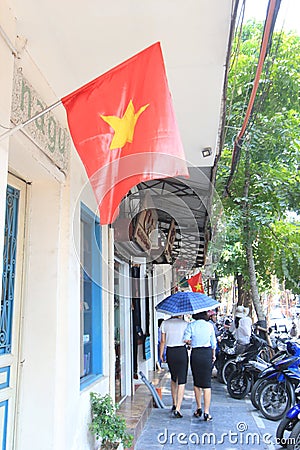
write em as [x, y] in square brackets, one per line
[177, 359]
[201, 365]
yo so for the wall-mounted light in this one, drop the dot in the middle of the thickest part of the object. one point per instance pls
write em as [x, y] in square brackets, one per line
[207, 151]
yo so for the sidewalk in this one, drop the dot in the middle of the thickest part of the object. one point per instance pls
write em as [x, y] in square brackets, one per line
[236, 425]
[137, 408]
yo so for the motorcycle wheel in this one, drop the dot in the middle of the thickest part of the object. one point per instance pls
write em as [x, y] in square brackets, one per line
[255, 392]
[238, 384]
[275, 399]
[293, 442]
[283, 431]
[228, 367]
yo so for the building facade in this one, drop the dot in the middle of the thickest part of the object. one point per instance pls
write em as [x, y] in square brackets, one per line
[78, 300]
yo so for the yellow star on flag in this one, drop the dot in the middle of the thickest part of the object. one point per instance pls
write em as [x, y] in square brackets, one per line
[198, 287]
[124, 126]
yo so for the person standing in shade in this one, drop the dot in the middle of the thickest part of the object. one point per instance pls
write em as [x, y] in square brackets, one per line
[212, 316]
[172, 331]
[242, 328]
[200, 334]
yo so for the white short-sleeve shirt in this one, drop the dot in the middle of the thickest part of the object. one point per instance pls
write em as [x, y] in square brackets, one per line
[174, 329]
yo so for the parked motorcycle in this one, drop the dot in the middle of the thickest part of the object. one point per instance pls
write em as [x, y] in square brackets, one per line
[293, 442]
[257, 348]
[277, 393]
[246, 372]
[226, 352]
[288, 430]
[283, 351]
[247, 368]
[260, 380]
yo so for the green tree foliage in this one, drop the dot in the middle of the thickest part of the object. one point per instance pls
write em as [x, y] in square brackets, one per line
[272, 142]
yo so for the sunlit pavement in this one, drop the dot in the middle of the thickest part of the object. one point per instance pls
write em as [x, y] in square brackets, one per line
[235, 425]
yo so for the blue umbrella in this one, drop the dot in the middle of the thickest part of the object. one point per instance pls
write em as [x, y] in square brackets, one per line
[187, 302]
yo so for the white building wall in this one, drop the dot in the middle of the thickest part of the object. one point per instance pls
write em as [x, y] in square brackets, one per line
[7, 62]
[52, 411]
[40, 317]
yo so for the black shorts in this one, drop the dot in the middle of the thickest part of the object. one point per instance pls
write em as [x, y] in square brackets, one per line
[201, 365]
[177, 359]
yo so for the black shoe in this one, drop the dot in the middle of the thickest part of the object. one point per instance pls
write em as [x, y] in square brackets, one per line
[207, 417]
[177, 414]
[173, 408]
[198, 413]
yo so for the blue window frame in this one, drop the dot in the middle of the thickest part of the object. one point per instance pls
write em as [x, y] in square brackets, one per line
[3, 413]
[91, 353]
[9, 268]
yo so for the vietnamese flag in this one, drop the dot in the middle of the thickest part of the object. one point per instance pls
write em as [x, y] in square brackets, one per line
[124, 129]
[196, 283]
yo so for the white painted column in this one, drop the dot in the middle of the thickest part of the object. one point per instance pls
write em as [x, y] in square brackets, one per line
[110, 298]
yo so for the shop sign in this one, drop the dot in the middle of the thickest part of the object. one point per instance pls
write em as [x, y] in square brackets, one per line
[145, 224]
[46, 131]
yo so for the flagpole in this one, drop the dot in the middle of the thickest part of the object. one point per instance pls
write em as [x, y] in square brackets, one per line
[22, 125]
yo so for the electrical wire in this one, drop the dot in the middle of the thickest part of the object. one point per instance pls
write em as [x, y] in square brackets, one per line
[263, 52]
[265, 86]
[272, 11]
[234, 59]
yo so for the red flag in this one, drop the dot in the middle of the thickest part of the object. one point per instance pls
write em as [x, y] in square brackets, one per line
[124, 129]
[196, 283]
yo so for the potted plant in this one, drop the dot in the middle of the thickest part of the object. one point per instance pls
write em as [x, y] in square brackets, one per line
[106, 424]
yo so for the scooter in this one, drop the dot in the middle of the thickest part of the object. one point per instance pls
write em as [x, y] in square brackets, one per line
[241, 380]
[234, 369]
[226, 352]
[291, 349]
[288, 430]
[278, 391]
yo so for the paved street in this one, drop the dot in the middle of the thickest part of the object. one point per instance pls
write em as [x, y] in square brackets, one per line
[236, 424]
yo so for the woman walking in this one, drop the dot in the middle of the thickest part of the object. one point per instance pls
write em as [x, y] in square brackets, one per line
[172, 331]
[200, 334]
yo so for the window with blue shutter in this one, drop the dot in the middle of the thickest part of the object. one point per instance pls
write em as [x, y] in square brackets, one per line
[91, 350]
